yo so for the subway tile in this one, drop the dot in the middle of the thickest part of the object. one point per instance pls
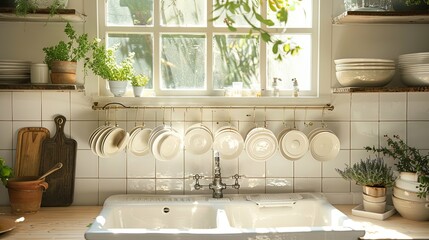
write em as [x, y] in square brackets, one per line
[109, 187]
[341, 112]
[252, 185]
[328, 167]
[364, 134]
[113, 167]
[364, 107]
[86, 164]
[418, 107]
[307, 184]
[51, 126]
[342, 131]
[81, 107]
[169, 186]
[390, 129]
[250, 167]
[417, 134]
[6, 106]
[7, 133]
[393, 106]
[27, 106]
[140, 166]
[279, 185]
[307, 167]
[86, 192]
[81, 131]
[55, 103]
[199, 164]
[279, 167]
[172, 168]
[189, 185]
[340, 198]
[335, 185]
[140, 186]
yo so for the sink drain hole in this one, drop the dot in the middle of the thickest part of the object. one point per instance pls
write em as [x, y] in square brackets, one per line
[166, 210]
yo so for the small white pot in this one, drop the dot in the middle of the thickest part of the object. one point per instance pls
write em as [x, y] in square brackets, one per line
[118, 88]
[376, 207]
[138, 91]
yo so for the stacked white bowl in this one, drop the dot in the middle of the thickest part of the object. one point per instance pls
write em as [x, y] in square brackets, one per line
[414, 68]
[228, 142]
[260, 144]
[406, 200]
[364, 72]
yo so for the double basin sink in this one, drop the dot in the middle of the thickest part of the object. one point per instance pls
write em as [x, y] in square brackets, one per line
[265, 216]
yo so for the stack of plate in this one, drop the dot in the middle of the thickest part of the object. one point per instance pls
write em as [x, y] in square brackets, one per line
[293, 144]
[108, 140]
[138, 143]
[228, 142]
[414, 68]
[324, 144]
[364, 72]
[261, 144]
[198, 139]
[165, 143]
[14, 71]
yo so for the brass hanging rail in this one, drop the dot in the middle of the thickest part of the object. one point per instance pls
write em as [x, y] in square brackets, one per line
[117, 105]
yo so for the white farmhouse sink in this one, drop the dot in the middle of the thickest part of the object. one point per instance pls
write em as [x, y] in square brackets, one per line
[249, 217]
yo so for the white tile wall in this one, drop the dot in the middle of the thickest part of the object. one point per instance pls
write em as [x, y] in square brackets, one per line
[358, 119]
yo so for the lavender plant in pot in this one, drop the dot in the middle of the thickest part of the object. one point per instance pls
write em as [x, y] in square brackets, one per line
[104, 64]
[374, 176]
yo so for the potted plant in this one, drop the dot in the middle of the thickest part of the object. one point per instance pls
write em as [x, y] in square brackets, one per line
[374, 176]
[62, 58]
[409, 162]
[23, 7]
[6, 172]
[104, 64]
[138, 82]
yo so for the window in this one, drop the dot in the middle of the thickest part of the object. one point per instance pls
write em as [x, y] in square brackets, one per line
[187, 54]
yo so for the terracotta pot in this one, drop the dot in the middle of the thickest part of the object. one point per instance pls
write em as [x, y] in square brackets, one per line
[374, 191]
[63, 72]
[25, 194]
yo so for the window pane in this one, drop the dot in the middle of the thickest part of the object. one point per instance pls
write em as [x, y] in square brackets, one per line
[236, 59]
[129, 12]
[183, 61]
[300, 17]
[141, 45]
[183, 13]
[238, 18]
[298, 66]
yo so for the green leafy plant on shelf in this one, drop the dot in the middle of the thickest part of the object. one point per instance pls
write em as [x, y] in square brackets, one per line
[103, 62]
[416, 2]
[408, 159]
[6, 172]
[369, 172]
[250, 9]
[73, 50]
[24, 7]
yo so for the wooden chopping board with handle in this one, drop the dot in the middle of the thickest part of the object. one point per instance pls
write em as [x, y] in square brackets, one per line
[28, 150]
[61, 183]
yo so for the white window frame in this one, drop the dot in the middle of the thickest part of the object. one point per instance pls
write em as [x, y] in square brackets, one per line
[315, 31]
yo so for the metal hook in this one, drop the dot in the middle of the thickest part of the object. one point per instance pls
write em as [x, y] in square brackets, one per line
[265, 117]
[254, 116]
[294, 118]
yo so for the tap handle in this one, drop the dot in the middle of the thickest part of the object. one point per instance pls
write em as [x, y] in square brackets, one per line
[236, 184]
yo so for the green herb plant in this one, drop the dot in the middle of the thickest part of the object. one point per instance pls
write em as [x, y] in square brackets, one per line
[409, 159]
[416, 2]
[23, 7]
[139, 80]
[73, 50]
[369, 172]
[6, 172]
[104, 64]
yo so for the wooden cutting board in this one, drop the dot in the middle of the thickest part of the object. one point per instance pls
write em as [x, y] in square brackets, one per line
[61, 183]
[28, 150]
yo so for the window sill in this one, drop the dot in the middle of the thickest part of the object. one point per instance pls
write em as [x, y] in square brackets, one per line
[198, 101]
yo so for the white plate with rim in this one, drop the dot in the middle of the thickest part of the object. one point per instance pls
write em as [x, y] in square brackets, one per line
[261, 145]
[198, 141]
[294, 144]
[140, 142]
[324, 146]
[229, 144]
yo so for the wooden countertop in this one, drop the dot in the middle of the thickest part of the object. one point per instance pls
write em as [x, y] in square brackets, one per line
[71, 223]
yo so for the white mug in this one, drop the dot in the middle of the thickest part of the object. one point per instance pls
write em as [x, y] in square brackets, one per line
[39, 73]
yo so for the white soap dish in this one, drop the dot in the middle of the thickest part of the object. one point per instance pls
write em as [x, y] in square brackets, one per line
[358, 211]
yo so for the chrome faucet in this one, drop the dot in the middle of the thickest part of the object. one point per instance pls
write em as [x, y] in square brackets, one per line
[217, 185]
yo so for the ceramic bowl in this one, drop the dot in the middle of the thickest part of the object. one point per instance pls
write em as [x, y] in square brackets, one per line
[407, 195]
[294, 144]
[373, 199]
[228, 142]
[260, 144]
[416, 211]
[198, 139]
[407, 185]
[324, 146]
[365, 78]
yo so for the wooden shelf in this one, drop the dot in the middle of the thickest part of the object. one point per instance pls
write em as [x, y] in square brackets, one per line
[41, 87]
[42, 15]
[379, 89]
[387, 17]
